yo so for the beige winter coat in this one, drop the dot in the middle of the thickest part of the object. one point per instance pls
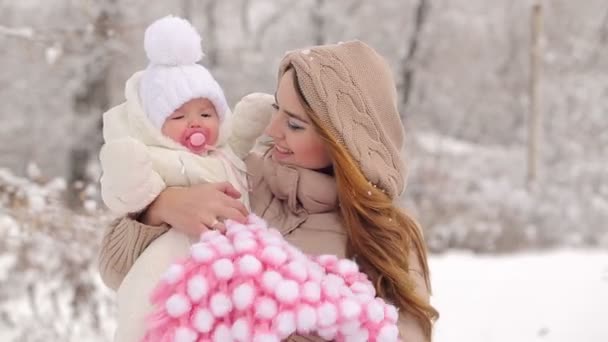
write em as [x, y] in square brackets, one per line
[301, 203]
[138, 161]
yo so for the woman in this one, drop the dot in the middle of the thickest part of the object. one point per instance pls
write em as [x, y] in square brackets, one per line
[329, 183]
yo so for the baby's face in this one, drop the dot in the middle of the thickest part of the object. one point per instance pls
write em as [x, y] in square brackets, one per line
[195, 119]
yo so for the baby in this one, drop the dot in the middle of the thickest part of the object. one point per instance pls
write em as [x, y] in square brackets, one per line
[175, 128]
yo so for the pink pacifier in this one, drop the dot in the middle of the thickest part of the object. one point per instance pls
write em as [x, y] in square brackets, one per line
[197, 139]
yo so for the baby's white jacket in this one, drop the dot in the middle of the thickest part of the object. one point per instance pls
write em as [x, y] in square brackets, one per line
[138, 161]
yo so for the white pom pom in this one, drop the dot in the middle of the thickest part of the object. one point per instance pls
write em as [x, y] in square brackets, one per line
[202, 253]
[350, 309]
[174, 273]
[360, 335]
[222, 333]
[328, 314]
[274, 256]
[375, 312]
[265, 337]
[177, 305]
[220, 304]
[315, 271]
[297, 271]
[311, 292]
[249, 265]
[245, 245]
[241, 331]
[197, 287]
[287, 291]
[347, 267]
[388, 333]
[243, 296]
[349, 327]
[223, 269]
[265, 308]
[203, 320]
[306, 318]
[285, 324]
[391, 313]
[224, 249]
[184, 334]
[328, 334]
[270, 280]
[331, 286]
[172, 41]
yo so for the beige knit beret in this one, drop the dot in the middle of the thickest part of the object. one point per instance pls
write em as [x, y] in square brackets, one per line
[351, 89]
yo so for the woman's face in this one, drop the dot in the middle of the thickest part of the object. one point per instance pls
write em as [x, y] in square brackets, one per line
[296, 142]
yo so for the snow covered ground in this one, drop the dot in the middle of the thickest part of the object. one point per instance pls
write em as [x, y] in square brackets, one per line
[557, 296]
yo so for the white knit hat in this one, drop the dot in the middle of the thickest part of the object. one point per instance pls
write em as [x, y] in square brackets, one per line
[173, 78]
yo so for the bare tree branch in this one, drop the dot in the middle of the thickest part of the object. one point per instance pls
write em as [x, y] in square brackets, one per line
[420, 18]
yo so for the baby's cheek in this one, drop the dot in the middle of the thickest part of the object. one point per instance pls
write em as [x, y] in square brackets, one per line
[172, 131]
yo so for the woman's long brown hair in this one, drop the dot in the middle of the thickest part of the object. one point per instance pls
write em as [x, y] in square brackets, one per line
[380, 235]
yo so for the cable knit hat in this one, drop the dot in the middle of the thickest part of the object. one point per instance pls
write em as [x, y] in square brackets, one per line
[351, 90]
[173, 76]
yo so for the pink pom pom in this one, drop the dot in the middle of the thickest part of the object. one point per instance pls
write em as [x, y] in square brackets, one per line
[327, 260]
[237, 289]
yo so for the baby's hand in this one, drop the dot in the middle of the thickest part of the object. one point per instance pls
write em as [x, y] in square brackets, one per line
[250, 118]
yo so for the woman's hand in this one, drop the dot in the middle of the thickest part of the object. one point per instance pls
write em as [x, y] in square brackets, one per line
[193, 210]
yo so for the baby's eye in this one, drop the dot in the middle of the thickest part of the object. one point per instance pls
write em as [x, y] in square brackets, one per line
[206, 115]
[275, 106]
[177, 117]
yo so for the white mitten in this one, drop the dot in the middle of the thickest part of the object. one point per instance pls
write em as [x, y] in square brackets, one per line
[251, 116]
[128, 183]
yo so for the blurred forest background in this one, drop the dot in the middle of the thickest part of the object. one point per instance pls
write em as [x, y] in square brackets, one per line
[474, 86]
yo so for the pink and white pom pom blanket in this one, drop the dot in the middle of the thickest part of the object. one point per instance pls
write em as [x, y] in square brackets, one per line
[251, 285]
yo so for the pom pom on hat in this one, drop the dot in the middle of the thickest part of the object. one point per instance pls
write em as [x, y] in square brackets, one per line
[173, 76]
[172, 41]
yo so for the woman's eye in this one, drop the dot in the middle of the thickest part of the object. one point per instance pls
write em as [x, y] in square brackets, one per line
[293, 126]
